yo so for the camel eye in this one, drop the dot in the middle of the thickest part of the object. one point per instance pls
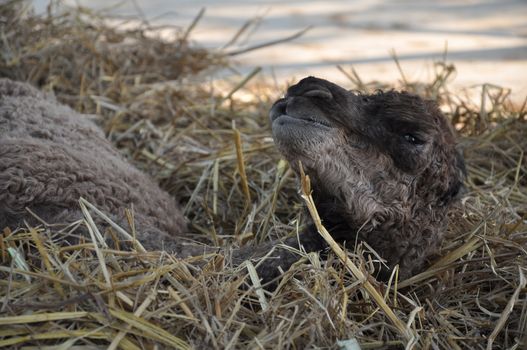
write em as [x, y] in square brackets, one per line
[413, 139]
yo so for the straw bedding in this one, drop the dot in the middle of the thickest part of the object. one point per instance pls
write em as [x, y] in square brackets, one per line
[159, 105]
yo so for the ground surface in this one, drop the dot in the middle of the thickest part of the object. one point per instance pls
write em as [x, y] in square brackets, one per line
[487, 39]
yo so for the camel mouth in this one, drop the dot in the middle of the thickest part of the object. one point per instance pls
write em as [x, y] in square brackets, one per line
[300, 121]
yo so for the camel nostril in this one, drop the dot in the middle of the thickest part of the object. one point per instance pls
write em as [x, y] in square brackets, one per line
[321, 93]
[278, 109]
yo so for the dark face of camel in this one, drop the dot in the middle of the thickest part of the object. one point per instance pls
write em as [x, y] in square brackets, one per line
[384, 167]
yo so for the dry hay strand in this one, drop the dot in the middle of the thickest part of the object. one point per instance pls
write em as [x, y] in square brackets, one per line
[85, 60]
[174, 123]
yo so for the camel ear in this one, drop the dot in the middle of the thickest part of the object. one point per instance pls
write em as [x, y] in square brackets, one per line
[458, 172]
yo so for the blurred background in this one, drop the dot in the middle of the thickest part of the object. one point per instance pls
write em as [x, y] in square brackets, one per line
[485, 39]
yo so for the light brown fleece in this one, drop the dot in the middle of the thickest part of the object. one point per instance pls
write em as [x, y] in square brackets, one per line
[50, 156]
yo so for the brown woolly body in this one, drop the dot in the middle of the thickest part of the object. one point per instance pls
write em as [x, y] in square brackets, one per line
[50, 156]
[384, 170]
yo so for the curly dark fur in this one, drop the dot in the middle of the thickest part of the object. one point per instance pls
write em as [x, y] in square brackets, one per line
[384, 168]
